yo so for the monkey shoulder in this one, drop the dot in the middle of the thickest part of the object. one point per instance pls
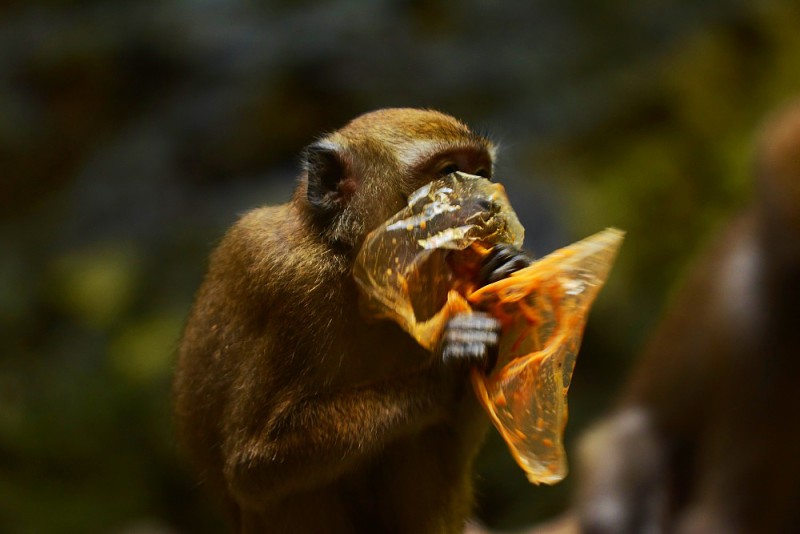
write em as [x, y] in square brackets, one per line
[268, 252]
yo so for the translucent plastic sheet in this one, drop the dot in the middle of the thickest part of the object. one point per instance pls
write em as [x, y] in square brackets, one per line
[418, 270]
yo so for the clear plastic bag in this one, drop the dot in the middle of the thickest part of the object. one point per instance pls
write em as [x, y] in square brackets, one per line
[418, 270]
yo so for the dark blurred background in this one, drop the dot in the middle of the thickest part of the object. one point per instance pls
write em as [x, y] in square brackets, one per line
[132, 133]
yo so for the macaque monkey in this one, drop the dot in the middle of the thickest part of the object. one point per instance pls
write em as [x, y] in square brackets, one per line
[707, 436]
[301, 415]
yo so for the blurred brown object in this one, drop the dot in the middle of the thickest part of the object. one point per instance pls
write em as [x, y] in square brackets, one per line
[706, 436]
[566, 524]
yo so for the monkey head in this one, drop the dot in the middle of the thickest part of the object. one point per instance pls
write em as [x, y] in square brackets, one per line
[356, 178]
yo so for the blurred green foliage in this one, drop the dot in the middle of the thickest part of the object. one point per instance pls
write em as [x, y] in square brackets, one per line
[132, 134]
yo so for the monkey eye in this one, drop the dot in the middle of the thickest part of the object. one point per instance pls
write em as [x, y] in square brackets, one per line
[449, 168]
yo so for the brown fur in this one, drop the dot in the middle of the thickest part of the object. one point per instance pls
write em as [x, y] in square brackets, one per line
[707, 437]
[300, 415]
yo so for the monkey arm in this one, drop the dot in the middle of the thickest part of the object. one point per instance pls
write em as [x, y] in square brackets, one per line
[310, 441]
[305, 406]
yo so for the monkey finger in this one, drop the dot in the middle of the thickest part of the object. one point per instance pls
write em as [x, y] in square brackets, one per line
[501, 262]
[472, 352]
[477, 321]
[471, 338]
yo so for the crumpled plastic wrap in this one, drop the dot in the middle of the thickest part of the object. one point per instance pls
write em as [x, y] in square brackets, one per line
[418, 269]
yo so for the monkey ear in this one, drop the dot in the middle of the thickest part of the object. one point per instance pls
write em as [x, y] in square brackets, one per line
[325, 172]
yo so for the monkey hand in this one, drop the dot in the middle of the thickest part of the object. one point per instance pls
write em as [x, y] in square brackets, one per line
[501, 262]
[471, 339]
